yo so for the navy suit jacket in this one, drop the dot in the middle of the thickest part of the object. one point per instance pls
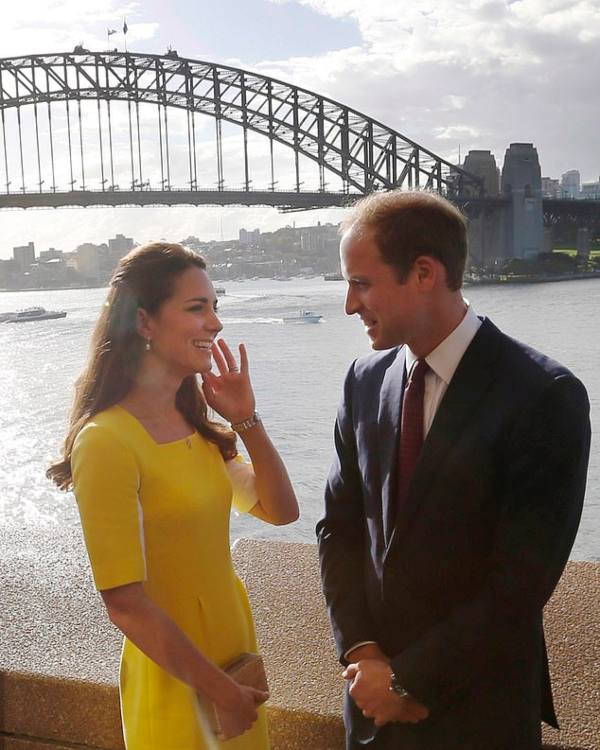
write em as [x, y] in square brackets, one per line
[452, 585]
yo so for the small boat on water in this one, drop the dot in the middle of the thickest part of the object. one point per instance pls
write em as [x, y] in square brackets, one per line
[220, 291]
[32, 313]
[303, 316]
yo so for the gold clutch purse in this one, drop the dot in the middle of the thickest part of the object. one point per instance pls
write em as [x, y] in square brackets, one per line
[247, 670]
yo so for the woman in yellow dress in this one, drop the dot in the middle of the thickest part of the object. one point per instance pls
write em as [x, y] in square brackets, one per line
[154, 481]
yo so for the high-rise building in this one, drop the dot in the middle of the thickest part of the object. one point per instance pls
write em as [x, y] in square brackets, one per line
[483, 164]
[551, 188]
[119, 246]
[89, 260]
[571, 183]
[319, 239]
[522, 185]
[24, 256]
[249, 238]
[591, 191]
[51, 254]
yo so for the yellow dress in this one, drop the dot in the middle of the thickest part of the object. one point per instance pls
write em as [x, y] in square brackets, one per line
[159, 513]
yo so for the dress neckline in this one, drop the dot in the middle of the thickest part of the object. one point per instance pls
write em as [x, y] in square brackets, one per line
[187, 439]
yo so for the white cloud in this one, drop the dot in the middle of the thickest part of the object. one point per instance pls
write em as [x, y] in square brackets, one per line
[445, 73]
[451, 101]
[475, 32]
[482, 73]
[58, 25]
[457, 131]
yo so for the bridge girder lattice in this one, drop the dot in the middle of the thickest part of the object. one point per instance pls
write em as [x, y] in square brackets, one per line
[364, 154]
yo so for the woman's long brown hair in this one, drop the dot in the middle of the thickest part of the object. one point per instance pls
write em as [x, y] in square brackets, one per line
[143, 279]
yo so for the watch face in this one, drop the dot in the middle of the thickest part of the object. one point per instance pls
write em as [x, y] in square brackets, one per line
[397, 687]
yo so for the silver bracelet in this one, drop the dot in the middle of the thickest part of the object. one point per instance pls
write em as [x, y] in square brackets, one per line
[246, 424]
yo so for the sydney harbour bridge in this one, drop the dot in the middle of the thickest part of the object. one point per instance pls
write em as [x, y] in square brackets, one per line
[117, 128]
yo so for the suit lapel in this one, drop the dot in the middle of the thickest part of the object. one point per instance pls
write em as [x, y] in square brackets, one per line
[388, 420]
[470, 382]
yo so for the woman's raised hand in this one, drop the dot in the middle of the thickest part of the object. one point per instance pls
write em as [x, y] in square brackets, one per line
[230, 392]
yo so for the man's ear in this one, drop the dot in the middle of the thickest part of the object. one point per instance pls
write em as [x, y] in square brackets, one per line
[143, 323]
[426, 270]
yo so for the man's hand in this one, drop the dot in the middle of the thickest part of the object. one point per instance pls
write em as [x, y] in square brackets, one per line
[370, 690]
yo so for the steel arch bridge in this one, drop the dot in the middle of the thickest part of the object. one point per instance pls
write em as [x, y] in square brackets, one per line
[36, 92]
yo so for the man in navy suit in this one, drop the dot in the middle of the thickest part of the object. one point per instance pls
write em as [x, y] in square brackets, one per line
[453, 500]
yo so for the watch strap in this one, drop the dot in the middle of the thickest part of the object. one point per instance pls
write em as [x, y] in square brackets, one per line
[396, 687]
[246, 424]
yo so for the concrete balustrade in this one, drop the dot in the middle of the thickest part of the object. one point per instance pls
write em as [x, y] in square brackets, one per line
[59, 653]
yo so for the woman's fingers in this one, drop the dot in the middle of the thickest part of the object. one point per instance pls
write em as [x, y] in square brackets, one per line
[243, 359]
[229, 358]
[260, 696]
[225, 361]
[219, 359]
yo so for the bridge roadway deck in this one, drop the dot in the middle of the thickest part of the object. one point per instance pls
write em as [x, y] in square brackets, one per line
[586, 211]
[88, 198]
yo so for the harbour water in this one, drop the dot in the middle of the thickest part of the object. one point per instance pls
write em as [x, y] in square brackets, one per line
[297, 373]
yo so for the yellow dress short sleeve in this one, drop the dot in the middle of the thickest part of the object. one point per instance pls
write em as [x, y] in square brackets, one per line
[106, 482]
[159, 513]
[243, 483]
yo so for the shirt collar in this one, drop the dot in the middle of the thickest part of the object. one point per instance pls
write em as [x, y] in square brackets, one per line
[444, 359]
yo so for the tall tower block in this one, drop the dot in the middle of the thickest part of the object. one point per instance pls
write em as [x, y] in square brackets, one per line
[524, 218]
[485, 229]
[483, 164]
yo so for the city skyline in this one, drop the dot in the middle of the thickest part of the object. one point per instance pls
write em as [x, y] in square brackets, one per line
[286, 252]
[466, 75]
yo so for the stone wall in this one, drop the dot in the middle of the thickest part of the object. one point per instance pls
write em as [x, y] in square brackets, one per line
[59, 653]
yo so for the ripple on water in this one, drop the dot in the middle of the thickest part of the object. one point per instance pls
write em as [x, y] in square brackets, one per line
[297, 374]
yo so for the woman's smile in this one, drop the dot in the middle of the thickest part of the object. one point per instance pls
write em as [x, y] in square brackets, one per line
[203, 344]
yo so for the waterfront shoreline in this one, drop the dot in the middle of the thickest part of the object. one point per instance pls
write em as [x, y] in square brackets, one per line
[534, 279]
[501, 281]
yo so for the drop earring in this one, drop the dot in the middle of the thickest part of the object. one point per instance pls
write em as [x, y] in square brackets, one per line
[148, 344]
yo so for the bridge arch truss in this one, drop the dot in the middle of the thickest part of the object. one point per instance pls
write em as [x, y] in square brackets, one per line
[362, 153]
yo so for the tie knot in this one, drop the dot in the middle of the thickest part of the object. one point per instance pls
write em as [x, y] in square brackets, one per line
[418, 372]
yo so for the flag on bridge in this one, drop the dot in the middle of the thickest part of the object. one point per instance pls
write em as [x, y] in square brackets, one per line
[110, 32]
[125, 27]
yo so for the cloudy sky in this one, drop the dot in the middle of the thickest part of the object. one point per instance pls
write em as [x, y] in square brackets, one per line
[449, 74]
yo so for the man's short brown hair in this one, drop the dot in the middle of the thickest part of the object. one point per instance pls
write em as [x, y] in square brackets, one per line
[406, 225]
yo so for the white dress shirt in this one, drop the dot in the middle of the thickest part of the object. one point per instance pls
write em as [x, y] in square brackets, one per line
[442, 361]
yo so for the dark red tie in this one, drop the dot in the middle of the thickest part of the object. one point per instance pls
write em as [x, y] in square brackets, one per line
[411, 428]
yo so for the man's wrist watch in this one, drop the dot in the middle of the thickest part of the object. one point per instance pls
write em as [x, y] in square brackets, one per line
[396, 687]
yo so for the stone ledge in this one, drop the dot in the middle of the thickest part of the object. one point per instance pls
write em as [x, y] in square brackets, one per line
[57, 710]
[59, 654]
[21, 743]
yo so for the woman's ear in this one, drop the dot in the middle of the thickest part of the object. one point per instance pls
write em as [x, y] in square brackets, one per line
[143, 323]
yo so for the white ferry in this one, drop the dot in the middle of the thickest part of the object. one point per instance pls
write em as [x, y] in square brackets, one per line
[303, 316]
[32, 313]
